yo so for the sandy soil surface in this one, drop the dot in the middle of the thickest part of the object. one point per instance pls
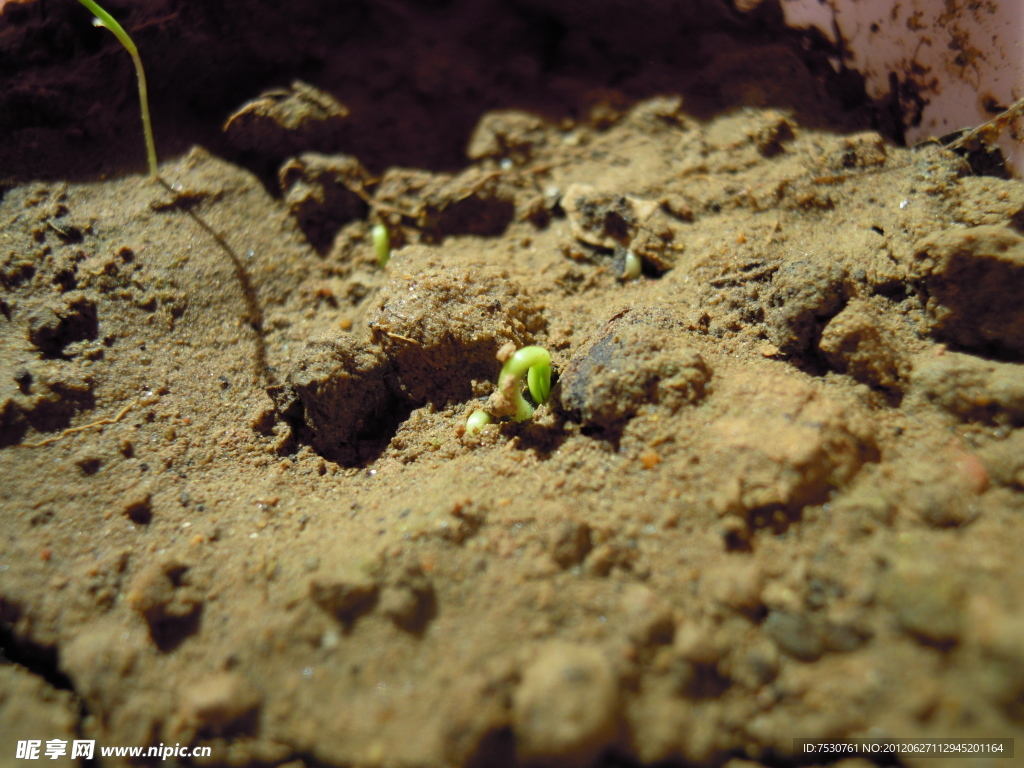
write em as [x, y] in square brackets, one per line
[777, 490]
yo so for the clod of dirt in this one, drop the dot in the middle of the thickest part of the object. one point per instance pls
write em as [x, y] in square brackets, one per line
[440, 324]
[341, 384]
[286, 121]
[605, 219]
[969, 387]
[171, 607]
[859, 150]
[1004, 460]
[28, 705]
[59, 322]
[319, 193]
[659, 240]
[224, 702]
[772, 132]
[566, 708]
[509, 134]
[646, 618]
[737, 585]
[975, 279]
[571, 543]
[795, 634]
[409, 600]
[346, 593]
[786, 446]
[807, 293]
[44, 395]
[857, 342]
[638, 358]
[926, 598]
[138, 505]
[476, 202]
[944, 494]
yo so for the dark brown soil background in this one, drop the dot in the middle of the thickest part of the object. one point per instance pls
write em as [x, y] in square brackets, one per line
[777, 491]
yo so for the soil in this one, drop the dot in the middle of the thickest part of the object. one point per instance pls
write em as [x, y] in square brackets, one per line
[777, 490]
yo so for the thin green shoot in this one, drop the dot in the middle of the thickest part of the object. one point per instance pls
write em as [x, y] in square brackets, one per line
[381, 244]
[104, 19]
[535, 364]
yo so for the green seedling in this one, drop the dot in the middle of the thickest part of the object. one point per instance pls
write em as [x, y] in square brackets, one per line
[535, 364]
[381, 244]
[532, 362]
[104, 19]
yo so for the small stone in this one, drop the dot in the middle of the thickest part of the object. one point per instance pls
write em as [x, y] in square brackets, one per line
[566, 708]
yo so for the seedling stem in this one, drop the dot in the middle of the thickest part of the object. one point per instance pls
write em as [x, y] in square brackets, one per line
[104, 19]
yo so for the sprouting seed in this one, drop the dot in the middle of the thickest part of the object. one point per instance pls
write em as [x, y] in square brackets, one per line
[631, 268]
[104, 19]
[535, 364]
[381, 244]
[477, 420]
[532, 362]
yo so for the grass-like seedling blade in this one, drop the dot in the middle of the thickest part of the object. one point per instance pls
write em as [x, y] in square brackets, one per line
[104, 19]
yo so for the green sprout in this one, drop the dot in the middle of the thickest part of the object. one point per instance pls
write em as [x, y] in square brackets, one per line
[104, 19]
[381, 244]
[535, 364]
[532, 362]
